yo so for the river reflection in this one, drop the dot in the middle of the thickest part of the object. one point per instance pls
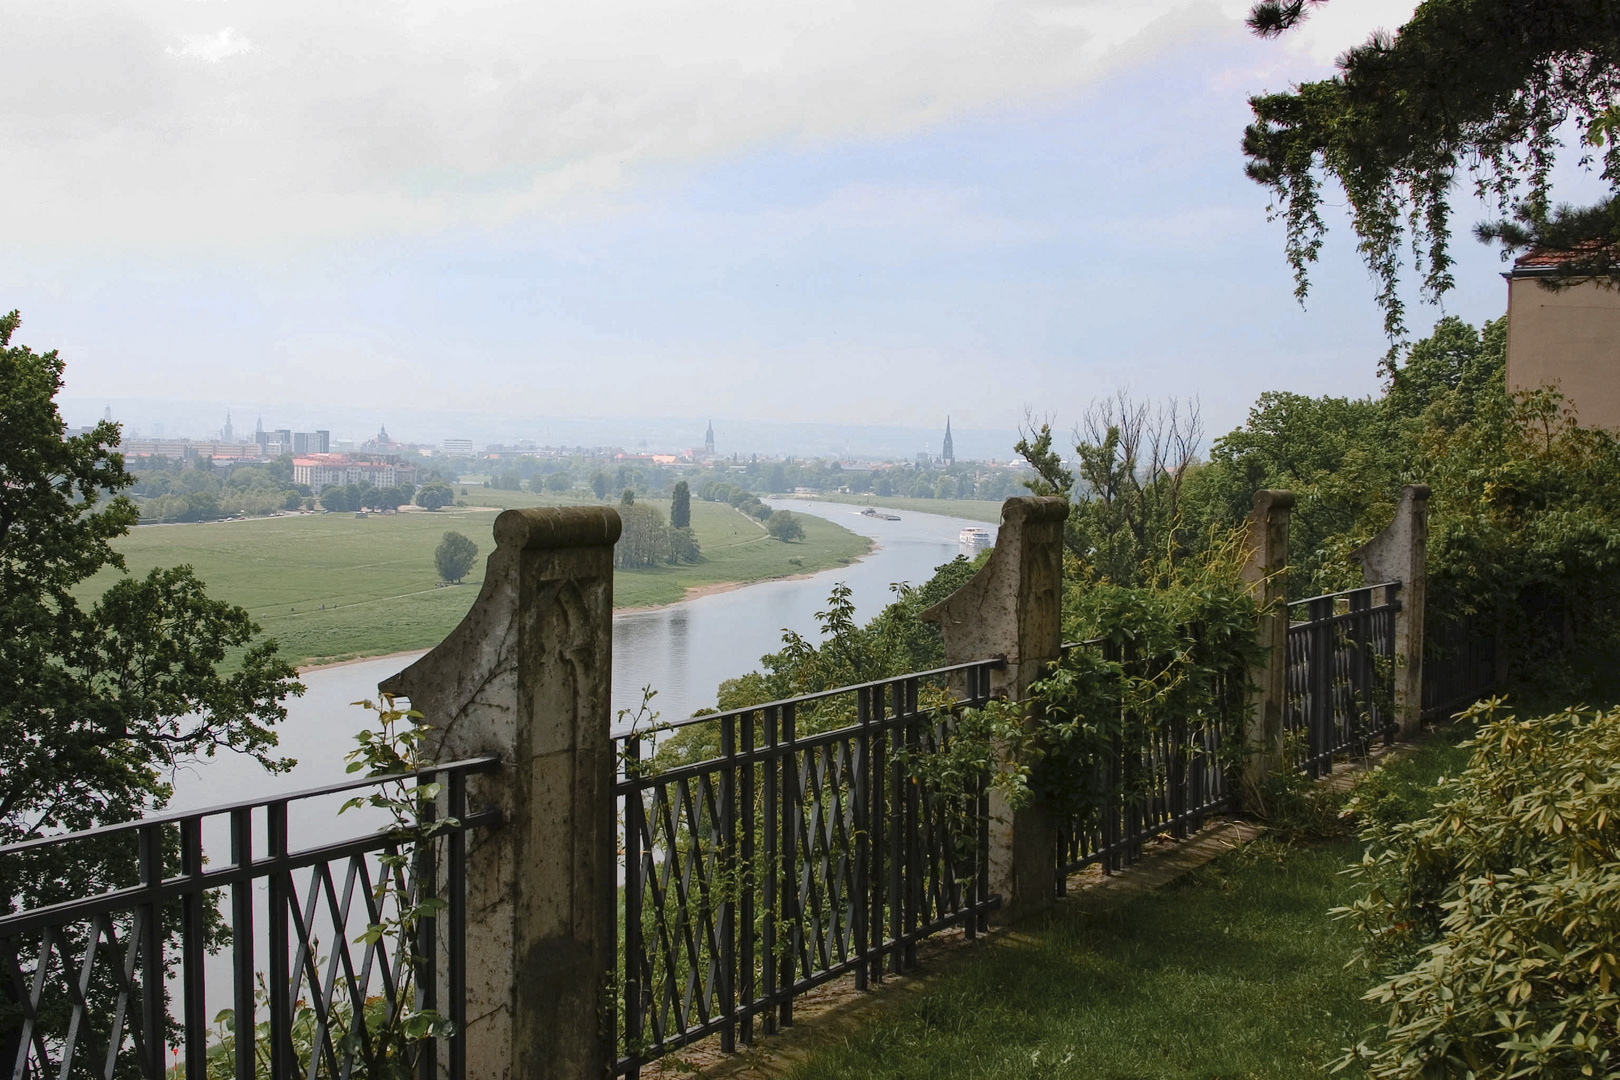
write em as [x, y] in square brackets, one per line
[683, 651]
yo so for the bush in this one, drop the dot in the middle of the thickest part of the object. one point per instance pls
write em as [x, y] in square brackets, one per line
[784, 526]
[1496, 918]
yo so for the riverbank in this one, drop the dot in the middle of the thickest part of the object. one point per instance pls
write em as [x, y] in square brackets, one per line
[333, 588]
[974, 509]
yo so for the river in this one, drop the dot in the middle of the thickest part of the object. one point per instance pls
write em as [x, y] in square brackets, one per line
[683, 651]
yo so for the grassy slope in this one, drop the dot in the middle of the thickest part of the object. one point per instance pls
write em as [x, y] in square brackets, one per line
[1234, 971]
[376, 579]
[972, 509]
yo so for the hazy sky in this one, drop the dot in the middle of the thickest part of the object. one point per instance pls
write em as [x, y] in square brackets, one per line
[850, 212]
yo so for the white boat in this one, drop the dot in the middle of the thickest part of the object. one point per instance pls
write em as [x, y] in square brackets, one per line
[974, 539]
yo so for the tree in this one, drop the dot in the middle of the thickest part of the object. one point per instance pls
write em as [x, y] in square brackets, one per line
[784, 526]
[98, 705]
[628, 498]
[1132, 461]
[1482, 83]
[435, 494]
[680, 506]
[454, 557]
[599, 485]
[338, 498]
[644, 540]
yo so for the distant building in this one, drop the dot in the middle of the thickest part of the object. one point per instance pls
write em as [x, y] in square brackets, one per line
[226, 434]
[187, 450]
[1568, 338]
[947, 453]
[312, 442]
[382, 442]
[458, 446]
[324, 470]
[708, 440]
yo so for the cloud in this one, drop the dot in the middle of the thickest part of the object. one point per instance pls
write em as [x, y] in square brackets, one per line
[336, 118]
[212, 48]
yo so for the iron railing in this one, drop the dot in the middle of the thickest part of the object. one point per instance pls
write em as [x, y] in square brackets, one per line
[1339, 687]
[780, 860]
[87, 984]
[1163, 779]
[1459, 662]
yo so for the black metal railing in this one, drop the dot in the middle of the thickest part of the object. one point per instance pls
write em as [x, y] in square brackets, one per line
[1339, 688]
[1151, 780]
[781, 859]
[88, 985]
[1459, 662]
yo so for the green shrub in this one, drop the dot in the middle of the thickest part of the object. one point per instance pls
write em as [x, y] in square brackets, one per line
[1495, 919]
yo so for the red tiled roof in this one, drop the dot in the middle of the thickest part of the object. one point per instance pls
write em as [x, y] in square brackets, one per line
[1540, 258]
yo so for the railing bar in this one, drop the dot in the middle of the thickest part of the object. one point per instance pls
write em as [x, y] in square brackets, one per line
[242, 944]
[485, 763]
[749, 877]
[996, 662]
[116, 901]
[456, 950]
[193, 979]
[633, 889]
[154, 1006]
[792, 909]
[728, 904]
[770, 876]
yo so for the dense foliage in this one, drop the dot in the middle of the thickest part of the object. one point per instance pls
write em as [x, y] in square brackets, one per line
[1496, 917]
[648, 541]
[1524, 516]
[98, 703]
[170, 491]
[784, 525]
[1484, 85]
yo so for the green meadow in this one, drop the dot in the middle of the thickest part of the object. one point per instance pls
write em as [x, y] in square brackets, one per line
[335, 587]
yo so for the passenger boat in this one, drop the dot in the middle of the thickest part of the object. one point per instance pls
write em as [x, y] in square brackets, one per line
[974, 539]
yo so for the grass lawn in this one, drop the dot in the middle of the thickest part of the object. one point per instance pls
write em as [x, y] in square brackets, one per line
[1233, 971]
[972, 509]
[334, 587]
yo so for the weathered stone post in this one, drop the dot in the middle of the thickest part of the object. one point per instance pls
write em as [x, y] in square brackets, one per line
[527, 675]
[1266, 574]
[1400, 553]
[1011, 608]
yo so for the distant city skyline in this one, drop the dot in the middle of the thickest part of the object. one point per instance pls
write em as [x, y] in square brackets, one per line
[182, 419]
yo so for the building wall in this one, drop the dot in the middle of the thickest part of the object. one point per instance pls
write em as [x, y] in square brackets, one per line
[1569, 339]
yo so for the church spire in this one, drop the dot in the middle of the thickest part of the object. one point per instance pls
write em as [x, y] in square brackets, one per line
[947, 452]
[708, 439]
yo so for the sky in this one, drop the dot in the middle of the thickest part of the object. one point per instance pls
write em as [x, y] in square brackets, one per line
[874, 213]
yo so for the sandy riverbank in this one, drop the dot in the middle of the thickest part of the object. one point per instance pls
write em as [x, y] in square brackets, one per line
[693, 592]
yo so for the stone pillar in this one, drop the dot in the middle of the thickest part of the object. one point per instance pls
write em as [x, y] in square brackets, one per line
[1400, 553]
[1266, 574]
[527, 675]
[1011, 609]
